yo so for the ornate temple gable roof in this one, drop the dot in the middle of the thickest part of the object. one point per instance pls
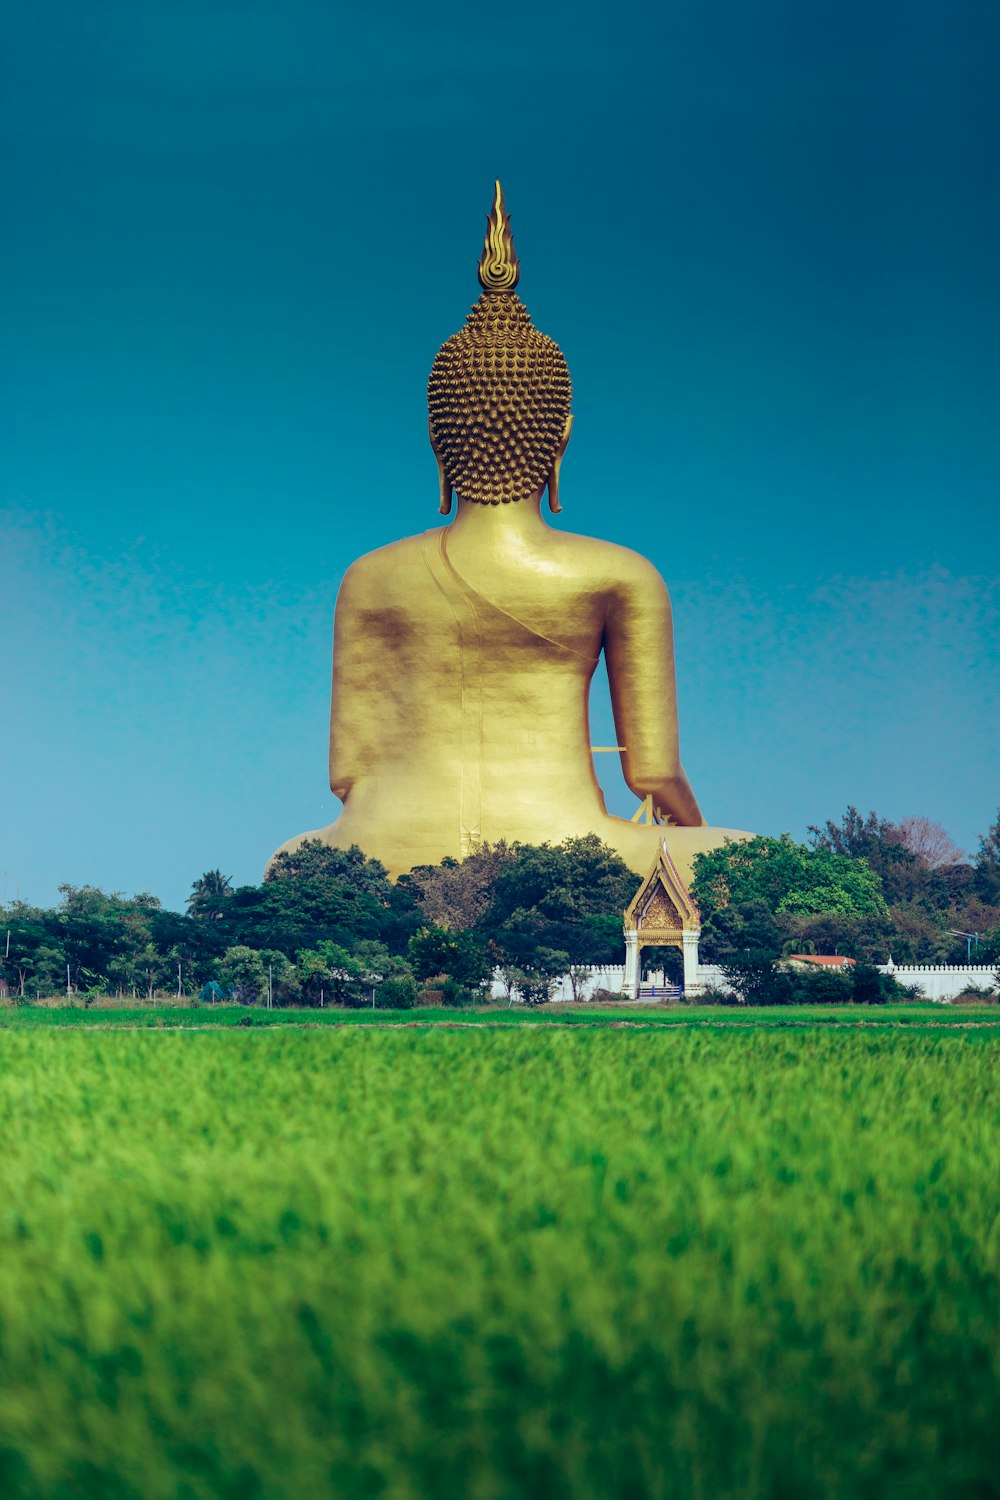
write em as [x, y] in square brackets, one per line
[662, 901]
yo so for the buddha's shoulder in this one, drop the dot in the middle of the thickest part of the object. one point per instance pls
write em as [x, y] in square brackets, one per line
[603, 565]
[386, 561]
[608, 561]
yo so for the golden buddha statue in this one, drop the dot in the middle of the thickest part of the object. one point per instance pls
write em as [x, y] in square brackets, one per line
[463, 656]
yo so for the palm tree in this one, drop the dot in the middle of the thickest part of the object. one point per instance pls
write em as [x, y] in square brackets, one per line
[209, 895]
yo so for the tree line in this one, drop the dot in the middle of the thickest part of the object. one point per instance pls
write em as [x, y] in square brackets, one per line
[327, 926]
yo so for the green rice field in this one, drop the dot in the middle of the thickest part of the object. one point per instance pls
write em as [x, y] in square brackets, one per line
[490, 1263]
[172, 1014]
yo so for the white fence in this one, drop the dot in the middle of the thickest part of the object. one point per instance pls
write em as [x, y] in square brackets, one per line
[943, 982]
[940, 982]
[610, 977]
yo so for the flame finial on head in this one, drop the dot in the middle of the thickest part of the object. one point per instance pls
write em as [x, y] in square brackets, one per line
[499, 267]
[499, 392]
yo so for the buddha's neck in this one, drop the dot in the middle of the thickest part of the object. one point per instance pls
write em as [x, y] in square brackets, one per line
[519, 520]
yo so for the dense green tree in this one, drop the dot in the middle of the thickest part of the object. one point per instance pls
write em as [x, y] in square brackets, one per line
[880, 843]
[566, 898]
[873, 838]
[374, 959]
[349, 868]
[788, 878]
[869, 935]
[757, 979]
[738, 928]
[820, 986]
[459, 955]
[46, 972]
[24, 931]
[329, 973]
[985, 951]
[867, 986]
[765, 897]
[987, 864]
[97, 931]
[929, 887]
[578, 878]
[299, 913]
[598, 939]
[915, 934]
[196, 943]
[319, 894]
[379, 965]
[397, 992]
[241, 971]
[209, 895]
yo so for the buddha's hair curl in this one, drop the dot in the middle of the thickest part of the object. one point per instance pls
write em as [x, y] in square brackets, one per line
[499, 397]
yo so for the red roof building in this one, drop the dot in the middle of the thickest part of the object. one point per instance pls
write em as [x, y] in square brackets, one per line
[822, 960]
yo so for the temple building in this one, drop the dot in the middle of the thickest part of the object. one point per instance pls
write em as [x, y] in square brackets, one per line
[662, 914]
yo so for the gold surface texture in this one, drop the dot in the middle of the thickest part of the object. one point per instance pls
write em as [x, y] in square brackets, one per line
[463, 656]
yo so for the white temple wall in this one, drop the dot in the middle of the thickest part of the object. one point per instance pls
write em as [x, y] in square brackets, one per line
[943, 982]
[599, 977]
[939, 982]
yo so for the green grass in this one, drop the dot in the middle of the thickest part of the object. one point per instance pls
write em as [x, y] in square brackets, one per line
[578, 1264]
[172, 1015]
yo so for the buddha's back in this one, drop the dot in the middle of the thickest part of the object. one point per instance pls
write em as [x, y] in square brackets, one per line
[489, 652]
[463, 657]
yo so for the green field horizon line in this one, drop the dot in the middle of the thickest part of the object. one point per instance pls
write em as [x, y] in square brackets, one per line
[174, 1016]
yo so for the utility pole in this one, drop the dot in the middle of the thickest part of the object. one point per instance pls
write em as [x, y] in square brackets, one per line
[270, 985]
[970, 938]
[178, 979]
[69, 992]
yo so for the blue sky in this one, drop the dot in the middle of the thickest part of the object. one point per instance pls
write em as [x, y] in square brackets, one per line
[766, 237]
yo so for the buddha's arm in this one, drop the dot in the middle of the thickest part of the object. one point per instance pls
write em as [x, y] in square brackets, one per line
[350, 707]
[639, 649]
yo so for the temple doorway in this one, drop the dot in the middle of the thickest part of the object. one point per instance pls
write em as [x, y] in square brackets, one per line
[661, 914]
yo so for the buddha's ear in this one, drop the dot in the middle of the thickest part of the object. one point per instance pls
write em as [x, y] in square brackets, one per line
[444, 503]
[554, 505]
[444, 484]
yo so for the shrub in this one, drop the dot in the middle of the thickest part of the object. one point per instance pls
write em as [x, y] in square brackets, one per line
[756, 978]
[399, 993]
[819, 986]
[435, 952]
[873, 988]
[242, 968]
[458, 995]
[712, 995]
[976, 994]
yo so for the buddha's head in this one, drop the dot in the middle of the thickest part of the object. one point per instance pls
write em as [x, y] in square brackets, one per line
[499, 391]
